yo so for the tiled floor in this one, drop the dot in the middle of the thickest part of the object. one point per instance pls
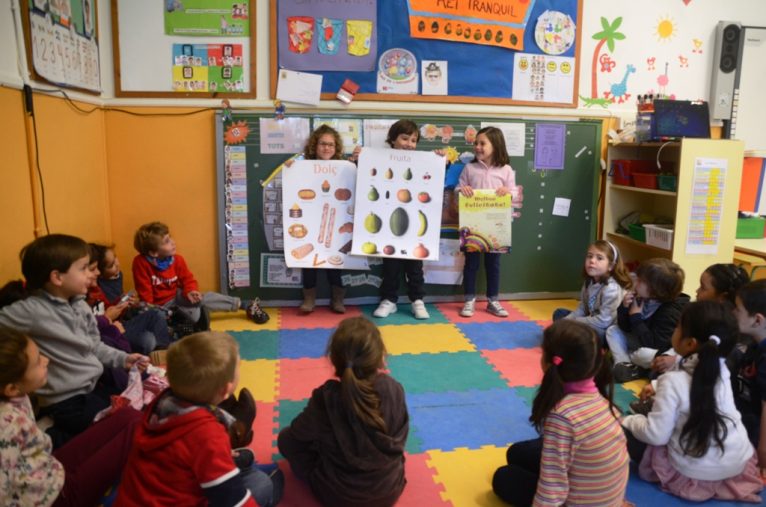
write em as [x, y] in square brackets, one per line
[469, 385]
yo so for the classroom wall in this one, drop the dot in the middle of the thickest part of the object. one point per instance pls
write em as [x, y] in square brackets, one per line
[16, 201]
[163, 168]
[106, 173]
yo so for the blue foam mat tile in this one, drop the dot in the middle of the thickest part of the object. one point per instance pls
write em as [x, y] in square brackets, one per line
[300, 343]
[470, 419]
[404, 315]
[257, 344]
[503, 335]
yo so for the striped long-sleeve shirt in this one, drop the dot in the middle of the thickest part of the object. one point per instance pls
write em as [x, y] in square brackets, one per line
[585, 458]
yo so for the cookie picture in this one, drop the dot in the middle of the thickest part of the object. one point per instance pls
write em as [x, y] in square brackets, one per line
[335, 260]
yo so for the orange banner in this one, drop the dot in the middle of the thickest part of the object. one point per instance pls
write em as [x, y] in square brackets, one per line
[489, 22]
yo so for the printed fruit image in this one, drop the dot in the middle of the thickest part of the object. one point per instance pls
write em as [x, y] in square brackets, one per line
[420, 251]
[388, 249]
[423, 223]
[369, 248]
[424, 197]
[373, 194]
[404, 195]
[388, 194]
[389, 174]
[325, 186]
[372, 223]
[408, 174]
[399, 222]
[373, 172]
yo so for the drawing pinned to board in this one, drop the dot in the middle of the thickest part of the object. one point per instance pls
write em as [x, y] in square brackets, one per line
[218, 18]
[554, 32]
[607, 36]
[397, 72]
[434, 77]
[236, 133]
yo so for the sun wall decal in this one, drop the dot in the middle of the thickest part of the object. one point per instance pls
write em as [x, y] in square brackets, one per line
[666, 29]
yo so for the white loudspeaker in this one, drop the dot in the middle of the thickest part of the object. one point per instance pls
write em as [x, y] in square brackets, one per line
[726, 61]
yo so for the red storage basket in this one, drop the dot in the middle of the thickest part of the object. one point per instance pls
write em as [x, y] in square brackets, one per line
[622, 170]
[645, 180]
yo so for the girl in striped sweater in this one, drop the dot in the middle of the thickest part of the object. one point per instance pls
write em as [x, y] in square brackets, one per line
[581, 458]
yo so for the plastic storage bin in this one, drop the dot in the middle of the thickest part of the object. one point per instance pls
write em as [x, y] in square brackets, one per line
[622, 170]
[637, 232]
[659, 235]
[750, 228]
[667, 182]
[645, 180]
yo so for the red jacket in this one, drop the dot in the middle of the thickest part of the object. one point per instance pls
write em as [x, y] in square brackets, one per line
[181, 458]
[158, 287]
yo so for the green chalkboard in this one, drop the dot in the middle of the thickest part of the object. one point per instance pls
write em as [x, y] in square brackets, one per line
[548, 249]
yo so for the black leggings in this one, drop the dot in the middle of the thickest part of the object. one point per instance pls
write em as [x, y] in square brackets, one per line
[516, 483]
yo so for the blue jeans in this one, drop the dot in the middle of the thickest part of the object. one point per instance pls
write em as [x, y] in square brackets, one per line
[560, 313]
[147, 330]
[471, 269]
[260, 486]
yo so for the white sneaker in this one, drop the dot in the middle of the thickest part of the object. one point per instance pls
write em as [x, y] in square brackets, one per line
[384, 309]
[419, 309]
[495, 309]
[468, 308]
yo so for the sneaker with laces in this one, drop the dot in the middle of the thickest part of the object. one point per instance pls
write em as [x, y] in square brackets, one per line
[419, 309]
[384, 309]
[255, 313]
[496, 309]
[625, 372]
[468, 308]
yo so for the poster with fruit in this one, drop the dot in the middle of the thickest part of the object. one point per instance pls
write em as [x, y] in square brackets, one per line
[399, 197]
[318, 214]
[485, 222]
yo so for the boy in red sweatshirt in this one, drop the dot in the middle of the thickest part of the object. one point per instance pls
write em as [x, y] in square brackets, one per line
[162, 278]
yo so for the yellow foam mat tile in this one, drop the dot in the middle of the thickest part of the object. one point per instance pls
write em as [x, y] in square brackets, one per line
[419, 339]
[543, 309]
[238, 321]
[635, 385]
[466, 475]
[260, 377]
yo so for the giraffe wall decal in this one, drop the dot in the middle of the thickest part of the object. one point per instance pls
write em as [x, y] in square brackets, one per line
[619, 91]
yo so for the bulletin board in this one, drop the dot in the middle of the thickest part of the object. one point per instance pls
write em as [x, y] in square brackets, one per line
[146, 57]
[61, 39]
[477, 73]
[548, 245]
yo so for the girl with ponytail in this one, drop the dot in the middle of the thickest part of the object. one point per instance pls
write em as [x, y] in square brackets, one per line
[693, 441]
[348, 443]
[581, 458]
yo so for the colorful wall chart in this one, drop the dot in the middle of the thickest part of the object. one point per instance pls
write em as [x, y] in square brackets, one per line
[63, 42]
[208, 68]
[499, 24]
[235, 213]
[318, 212]
[218, 18]
[399, 204]
[485, 222]
[707, 205]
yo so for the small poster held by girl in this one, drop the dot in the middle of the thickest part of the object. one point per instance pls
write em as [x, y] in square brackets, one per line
[485, 222]
[318, 214]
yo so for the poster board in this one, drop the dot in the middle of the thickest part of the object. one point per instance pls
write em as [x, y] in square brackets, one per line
[61, 41]
[144, 55]
[548, 249]
[464, 61]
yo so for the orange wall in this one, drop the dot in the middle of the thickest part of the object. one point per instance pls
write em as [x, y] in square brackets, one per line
[72, 159]
[16, 202]
[163, 168]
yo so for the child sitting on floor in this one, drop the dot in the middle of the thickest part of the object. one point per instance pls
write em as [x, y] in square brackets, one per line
[162, 278]
[56, 315]
[181, 453]
[76, 474]
[348, 443]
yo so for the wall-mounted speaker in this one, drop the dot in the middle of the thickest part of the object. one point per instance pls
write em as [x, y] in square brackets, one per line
[726, 61]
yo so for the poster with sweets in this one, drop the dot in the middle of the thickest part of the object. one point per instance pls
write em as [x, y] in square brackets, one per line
[485, 222]
[399, 197]
[318, 214]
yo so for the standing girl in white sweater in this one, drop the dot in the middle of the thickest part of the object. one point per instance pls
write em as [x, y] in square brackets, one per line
[693, 441]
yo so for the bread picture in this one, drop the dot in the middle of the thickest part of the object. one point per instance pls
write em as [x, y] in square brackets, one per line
[347, 227]
[302, 251]
[306, 194]
[343, 194]
[297, 231]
